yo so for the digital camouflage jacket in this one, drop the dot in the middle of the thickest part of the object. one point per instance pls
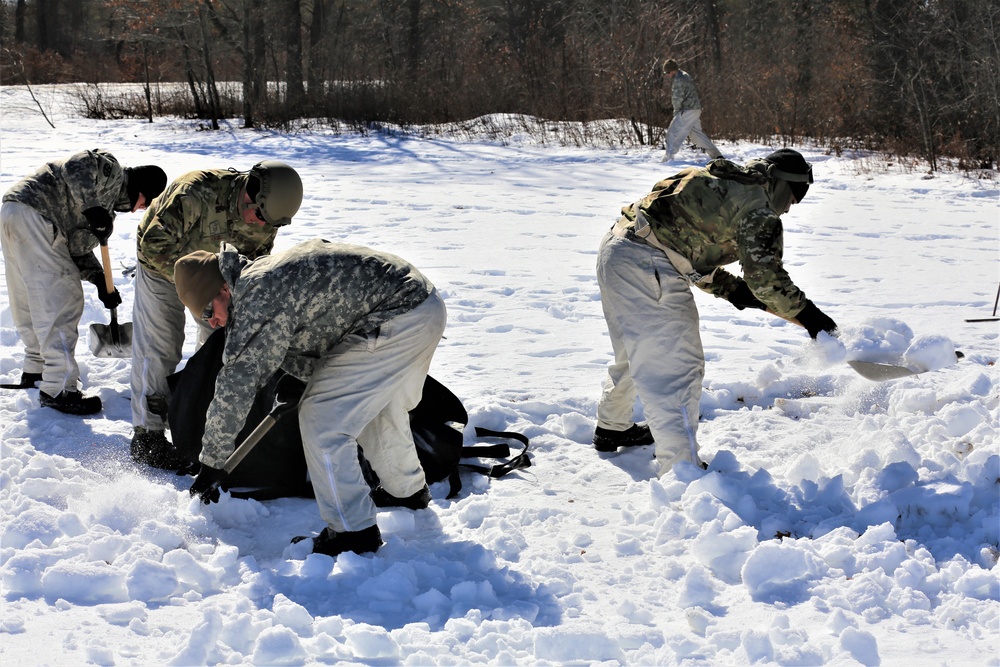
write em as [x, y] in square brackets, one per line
[63, 189]
[714, 221]
[683, 93]
[289, 311]
[199, 211]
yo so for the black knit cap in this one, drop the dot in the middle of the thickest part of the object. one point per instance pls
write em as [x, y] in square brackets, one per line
[148, 180]
[790, 166]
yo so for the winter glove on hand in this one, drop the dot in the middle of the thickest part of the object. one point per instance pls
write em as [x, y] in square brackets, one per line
[101, 223]
[207, 483]
[742, 297]
[815, 320]
[109, 299]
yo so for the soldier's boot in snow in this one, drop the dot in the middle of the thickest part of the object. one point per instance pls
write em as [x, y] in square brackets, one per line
[71, 402]
[332, 543]
[606, 440]
[418, 501]
[152, 448]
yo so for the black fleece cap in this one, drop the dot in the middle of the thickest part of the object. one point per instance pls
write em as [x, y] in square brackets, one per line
[148, 180]
[790, 166]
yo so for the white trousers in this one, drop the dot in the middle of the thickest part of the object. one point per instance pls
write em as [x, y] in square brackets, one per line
[158, 318]
[362, 393]
[653, 323]
[688, 124]
[45, 295]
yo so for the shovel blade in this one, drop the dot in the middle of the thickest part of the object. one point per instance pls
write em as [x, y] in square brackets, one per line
[880, 372]
[102, 341]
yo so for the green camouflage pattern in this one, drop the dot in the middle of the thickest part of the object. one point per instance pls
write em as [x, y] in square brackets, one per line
[63, 189]
[716, 221]
[683, 93]
[199, 211]
[289, 311]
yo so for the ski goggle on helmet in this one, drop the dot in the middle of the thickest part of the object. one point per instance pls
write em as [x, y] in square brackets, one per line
[275, 190]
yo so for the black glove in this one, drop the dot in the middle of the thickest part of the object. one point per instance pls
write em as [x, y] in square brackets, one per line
[101, 223]
[207, 484]
[742, 297]
[815, 320]
[110, 300]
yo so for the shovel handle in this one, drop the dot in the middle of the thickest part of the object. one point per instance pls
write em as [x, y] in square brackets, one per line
[109, 282]
[279, 410]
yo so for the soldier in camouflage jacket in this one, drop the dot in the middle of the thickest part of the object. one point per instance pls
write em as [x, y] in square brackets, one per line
[51, 222]
[358, 326]
[198, 211]
[681, 234]
[687, 114]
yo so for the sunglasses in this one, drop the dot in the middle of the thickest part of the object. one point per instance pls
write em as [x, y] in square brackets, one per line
[209, 311]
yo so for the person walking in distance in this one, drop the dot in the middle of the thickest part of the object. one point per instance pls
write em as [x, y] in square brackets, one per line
[687, 114]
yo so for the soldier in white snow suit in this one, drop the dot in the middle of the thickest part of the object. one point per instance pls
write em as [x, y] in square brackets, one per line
[687, 114]
[682, 234]
[198, 211]
[360, 327]
[50, 223]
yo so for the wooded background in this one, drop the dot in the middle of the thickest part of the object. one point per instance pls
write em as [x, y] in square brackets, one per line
[901, 77]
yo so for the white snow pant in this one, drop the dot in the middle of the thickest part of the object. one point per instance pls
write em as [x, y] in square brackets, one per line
[45, 295]
[362, 393]
[653, 323]
[158, 318]
[685, 124]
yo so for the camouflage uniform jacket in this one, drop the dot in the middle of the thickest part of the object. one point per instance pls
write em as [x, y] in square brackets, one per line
[198, 211]
[62, 190]
[290, 310]
[714, 221]
[683, 94]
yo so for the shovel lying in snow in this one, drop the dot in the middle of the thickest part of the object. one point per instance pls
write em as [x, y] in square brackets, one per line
[110, 340]
[877, 372]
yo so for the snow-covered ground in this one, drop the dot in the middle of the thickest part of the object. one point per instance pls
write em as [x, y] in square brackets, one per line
[840, 521]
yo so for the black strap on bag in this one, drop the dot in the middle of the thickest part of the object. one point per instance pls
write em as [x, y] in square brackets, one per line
[498, 451]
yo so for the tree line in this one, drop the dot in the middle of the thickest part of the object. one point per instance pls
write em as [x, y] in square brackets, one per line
[916, 78]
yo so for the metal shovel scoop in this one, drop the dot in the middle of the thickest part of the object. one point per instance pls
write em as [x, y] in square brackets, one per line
[877, 372]
[110, 340]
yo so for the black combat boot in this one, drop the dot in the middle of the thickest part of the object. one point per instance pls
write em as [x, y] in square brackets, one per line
[606, 440]
[152, 448]
[333, 543]
[71, 402]
[418, 501]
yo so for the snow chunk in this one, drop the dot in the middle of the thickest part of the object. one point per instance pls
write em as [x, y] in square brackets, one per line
[861, 645]
[370, 642]
[292, 615]
[781, 573]
[278, 646]
[930, 353]
[149, 580]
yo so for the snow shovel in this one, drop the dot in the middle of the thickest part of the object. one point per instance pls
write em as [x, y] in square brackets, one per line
[877, 372]
[110, 340]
